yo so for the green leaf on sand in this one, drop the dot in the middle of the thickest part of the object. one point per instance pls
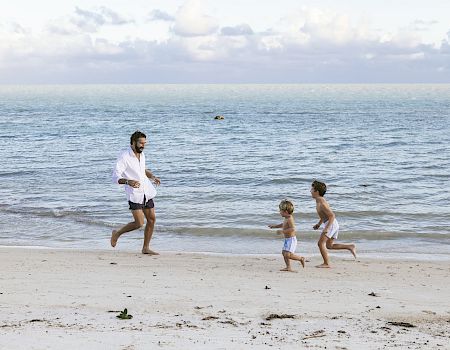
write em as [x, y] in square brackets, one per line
[124, 315]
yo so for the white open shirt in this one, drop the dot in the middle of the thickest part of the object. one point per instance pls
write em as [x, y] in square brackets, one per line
[129, 167]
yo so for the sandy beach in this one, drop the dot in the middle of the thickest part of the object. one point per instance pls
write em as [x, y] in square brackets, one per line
[55, 299]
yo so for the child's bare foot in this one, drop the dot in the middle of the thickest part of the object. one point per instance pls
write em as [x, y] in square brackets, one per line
[114, 238]
[353, 250]
[323, 266]
[149, 251]
[287, 270]
[302, 261]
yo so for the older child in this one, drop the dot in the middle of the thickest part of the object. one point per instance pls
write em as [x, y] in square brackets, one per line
[331, 228]
[288, 230]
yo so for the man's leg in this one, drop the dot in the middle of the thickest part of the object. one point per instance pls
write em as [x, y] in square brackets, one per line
[323, 250]
[148, 232]
[339, 246]
[138, 222]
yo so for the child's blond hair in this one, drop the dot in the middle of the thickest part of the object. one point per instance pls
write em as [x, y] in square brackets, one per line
[286, 205]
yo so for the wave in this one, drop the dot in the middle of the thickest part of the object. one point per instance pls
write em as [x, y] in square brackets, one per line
[77, 215]
[15, 173]
[247, 233]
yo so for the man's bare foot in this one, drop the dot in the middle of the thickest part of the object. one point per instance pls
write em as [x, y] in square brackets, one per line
[302, 261]
[323, 266]
[149, 251]
[353, 250]
[287, 270]
[114, 238]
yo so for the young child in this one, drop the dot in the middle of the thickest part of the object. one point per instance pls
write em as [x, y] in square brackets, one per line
[331, 229]
[288, 230]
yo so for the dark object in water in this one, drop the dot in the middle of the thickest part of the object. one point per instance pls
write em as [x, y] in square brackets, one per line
[219, 117]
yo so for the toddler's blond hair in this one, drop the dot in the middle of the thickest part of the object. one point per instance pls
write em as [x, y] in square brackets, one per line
[287, 206]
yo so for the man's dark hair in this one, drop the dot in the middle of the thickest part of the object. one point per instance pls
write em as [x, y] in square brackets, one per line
[320, 187]
[136, 136]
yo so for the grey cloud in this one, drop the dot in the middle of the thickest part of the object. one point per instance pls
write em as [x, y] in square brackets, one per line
[113, 18]
[18, 29]
[158, 15]
[87, 19]
[242, 29]
[90, 21]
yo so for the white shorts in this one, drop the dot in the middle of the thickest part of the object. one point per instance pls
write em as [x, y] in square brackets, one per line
[290, 244]
[333, 230]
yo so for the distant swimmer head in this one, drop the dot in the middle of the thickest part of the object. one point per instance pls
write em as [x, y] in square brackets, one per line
[138, 140]
[287, 206]
[318, 188]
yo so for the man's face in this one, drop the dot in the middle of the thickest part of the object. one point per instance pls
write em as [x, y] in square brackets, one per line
[139, 145]
[314, 193]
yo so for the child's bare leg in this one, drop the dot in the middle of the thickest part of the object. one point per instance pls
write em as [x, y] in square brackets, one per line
[323, 251]
[286, 256]
[298, 258]
[339, 246]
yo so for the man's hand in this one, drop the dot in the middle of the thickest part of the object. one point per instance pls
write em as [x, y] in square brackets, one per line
[272, 226]
[316, 226]
[156, 180]
[134, 183]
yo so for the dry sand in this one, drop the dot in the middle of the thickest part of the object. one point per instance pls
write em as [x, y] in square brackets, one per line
[67, 299]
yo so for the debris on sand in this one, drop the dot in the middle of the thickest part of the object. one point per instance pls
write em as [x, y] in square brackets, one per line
[272, 316]
[315, 334]
[402, 324]
[207, 318]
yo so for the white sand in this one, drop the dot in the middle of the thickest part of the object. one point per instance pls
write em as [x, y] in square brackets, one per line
[61, 299]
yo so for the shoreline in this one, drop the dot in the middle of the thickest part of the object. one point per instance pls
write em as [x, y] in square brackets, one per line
[55, 298]
[402, 255]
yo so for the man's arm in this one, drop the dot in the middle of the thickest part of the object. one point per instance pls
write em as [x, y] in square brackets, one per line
[152, 177]
[119, 169]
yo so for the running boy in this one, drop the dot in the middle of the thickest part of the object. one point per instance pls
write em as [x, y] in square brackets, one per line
[331, 229]
[288, 230]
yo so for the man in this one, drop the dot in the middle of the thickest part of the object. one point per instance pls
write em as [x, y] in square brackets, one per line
[130, 171]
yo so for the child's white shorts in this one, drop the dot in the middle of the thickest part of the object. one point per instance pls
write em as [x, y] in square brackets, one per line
[333, 230]
[290, 244]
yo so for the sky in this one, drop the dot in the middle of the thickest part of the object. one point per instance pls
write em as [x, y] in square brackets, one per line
[232, 41]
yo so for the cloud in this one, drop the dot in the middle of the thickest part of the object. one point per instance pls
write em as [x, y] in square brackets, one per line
[190, 20]
[158, 15]
[242, 29]
[90, 21]
[310, 45]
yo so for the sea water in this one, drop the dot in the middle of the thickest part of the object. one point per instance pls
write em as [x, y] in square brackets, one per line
[382, 150]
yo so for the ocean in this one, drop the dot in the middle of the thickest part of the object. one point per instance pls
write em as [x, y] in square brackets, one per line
[383, 151]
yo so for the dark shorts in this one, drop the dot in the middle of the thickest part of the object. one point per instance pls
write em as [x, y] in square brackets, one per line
[144, 205]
